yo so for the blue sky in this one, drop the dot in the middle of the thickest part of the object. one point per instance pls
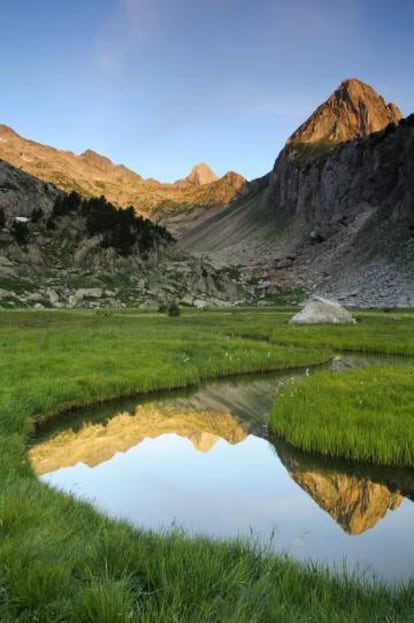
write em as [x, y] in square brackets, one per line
[159, 85]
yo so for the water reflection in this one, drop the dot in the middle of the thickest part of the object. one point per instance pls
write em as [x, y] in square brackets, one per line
[220, 410]
[202, 460]
[356, 496]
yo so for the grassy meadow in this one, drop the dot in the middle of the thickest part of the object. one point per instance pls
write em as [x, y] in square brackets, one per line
[63, 562]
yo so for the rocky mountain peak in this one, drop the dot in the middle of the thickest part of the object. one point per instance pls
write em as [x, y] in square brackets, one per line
[97, 160]
[354, 110]
[201, 174]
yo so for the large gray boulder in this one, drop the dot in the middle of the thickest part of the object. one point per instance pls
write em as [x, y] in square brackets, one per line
[323, 311]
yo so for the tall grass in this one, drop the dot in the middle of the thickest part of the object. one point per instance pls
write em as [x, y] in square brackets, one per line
[365, 415]
[62, 561]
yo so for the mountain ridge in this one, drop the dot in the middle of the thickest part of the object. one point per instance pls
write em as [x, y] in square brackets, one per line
[92, 174]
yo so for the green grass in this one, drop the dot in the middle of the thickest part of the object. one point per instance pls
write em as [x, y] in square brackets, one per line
[365, 415]
[375, 332]
[62, 561]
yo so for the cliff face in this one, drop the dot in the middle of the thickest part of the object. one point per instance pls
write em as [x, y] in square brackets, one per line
[328, 184]
[342, 160]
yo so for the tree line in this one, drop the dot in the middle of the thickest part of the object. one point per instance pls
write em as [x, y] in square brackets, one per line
[121, 229]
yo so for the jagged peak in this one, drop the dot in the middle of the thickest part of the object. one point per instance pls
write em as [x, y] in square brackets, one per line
[201, 174]
[353, 110]
[93, 156]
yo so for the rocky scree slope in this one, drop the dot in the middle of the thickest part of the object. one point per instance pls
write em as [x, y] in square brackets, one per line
[92, 175]
[59, 250]
[336, 214]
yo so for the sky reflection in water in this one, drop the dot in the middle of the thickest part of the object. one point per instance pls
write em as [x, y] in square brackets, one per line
[194, 461]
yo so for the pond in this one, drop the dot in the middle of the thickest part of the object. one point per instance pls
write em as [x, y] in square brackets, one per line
[203, 460]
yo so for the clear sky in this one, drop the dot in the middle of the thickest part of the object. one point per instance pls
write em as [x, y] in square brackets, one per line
[159, 85]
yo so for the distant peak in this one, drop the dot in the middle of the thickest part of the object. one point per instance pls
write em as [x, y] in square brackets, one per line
[93, 156]
[353, 110]
[201, 174]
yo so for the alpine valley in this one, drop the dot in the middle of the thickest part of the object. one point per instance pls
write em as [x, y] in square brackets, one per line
[334, 217]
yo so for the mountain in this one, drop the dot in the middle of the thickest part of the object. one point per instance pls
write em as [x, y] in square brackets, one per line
[93, 175]
[64, 250]
[201, 174]
[336, 213]
[354, 110]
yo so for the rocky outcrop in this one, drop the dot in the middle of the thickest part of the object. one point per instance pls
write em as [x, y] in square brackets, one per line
[322, 311]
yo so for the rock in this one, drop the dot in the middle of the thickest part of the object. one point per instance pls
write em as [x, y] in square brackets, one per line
[88, 293]
[200, 303]
[283, 262]
[53, 296]
[322, 311]
[187, 300]
[35, 297]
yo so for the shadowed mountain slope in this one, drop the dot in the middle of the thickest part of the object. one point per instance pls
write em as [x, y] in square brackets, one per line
[336, 213]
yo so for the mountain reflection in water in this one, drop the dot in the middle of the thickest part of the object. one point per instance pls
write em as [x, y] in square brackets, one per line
[356, 496]
[202, 459]
[221, 410]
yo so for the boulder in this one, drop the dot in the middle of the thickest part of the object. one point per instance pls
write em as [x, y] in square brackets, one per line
[89, 293]
[323, 311]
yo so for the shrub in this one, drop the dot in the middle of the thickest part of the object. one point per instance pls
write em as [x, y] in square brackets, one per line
[20, 231]
[37, 214]
[50, 223]
[174, 309]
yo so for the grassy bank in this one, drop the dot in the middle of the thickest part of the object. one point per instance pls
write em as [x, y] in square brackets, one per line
[61, 561]
[365, 415]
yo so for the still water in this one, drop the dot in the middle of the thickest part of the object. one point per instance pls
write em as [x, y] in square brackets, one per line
[203, 460]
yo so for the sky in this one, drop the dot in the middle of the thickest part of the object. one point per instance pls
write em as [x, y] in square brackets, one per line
[159, 85]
